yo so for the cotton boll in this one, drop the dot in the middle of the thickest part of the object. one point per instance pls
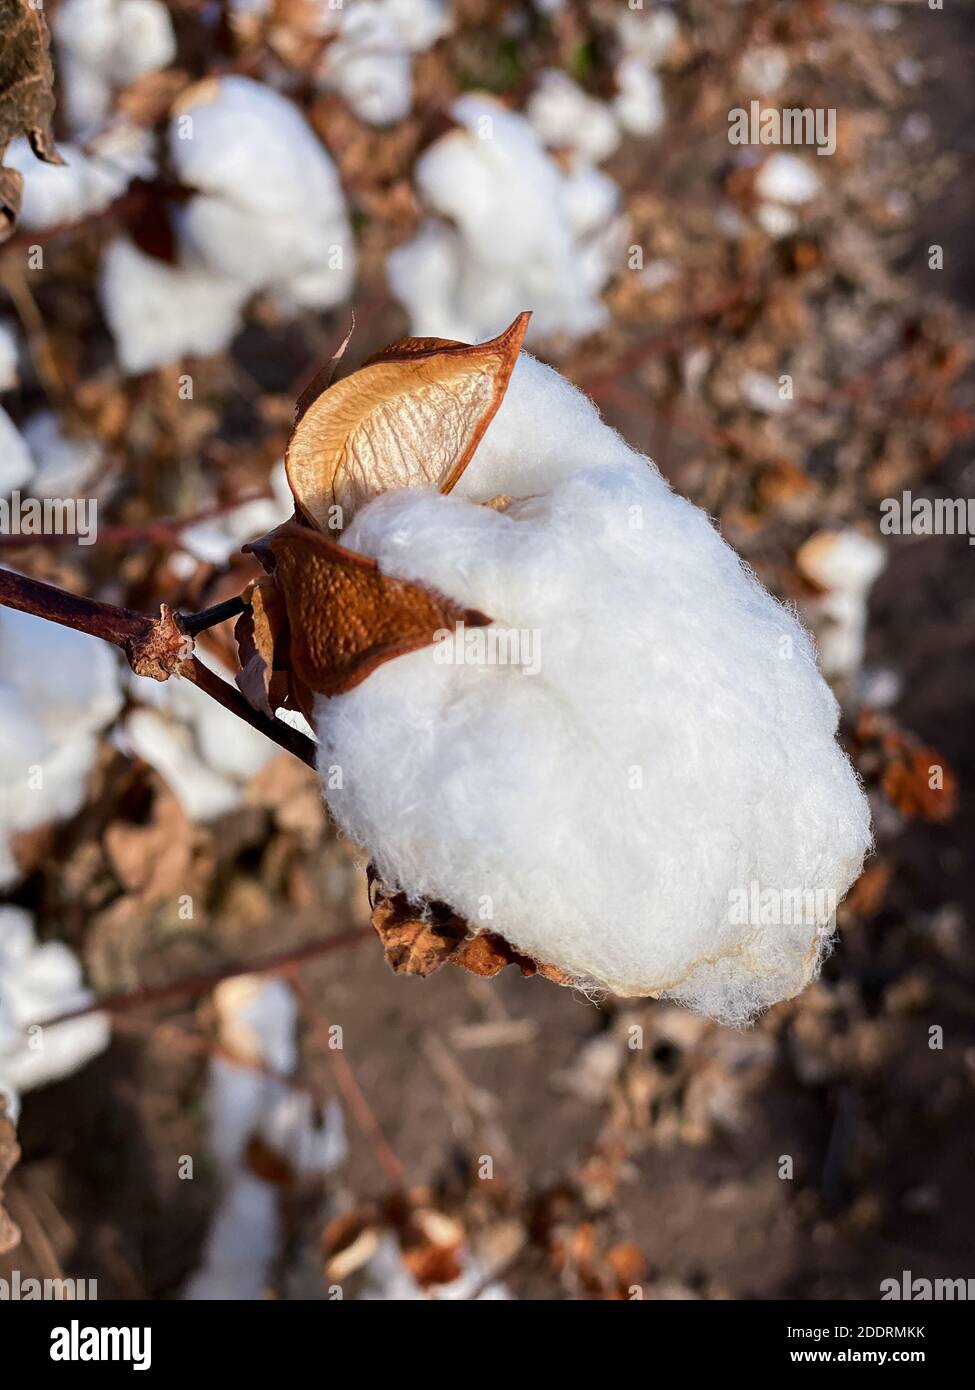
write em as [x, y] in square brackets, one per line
[249, 1099]
[649, 35]
[785, 178]
[607, 813]
[38, 982]
[369, 62]
[639, 103]
[513, 241]
[270, 213]
[845, 565]
[160, 313]
[566, 117]
[369, 68]
[16, 462]
[106, 44]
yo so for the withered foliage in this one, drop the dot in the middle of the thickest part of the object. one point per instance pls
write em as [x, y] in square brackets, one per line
[26, 97]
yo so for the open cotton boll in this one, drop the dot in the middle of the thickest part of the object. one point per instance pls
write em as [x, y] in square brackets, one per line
[663, 754]
[844, 565]
[647, 34]
[104, 45]
[16, 461]
[639, 101]
[369, 62]
[58, 687]
[258, 1023]
[566, 117]
[160, 313]
[38, 982]
[270, 212]
[514, 238]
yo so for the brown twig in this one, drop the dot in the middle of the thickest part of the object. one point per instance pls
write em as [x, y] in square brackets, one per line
[189, 985]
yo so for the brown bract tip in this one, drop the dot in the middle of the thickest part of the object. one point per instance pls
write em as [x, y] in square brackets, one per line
[412, 415]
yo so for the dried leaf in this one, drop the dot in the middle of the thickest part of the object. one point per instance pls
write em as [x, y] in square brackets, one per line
[920, 784]
[26, 97]
[262, 646]
[345, 616]
[412, 415]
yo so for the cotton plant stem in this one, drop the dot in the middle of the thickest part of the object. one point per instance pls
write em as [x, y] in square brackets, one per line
[158, 647]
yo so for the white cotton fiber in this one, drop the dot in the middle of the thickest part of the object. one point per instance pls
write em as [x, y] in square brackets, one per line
[674, 752]
[159, 313]
[247, 1099]
[520, 231]
[203, 753]
[38, 982]
[566, 117]
[106, 44]
[58, 687]
[66, 464]
[844, 565]
[369, 59]
[87, 182]
[269, 208]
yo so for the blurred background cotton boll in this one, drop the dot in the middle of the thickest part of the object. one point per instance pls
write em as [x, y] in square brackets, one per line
[785, 327]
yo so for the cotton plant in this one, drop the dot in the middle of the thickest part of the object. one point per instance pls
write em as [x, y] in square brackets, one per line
[104, 45]
[552, 705]
[507, 226]
[250, 1099]
[57, 692]
[267, 215]
[39, 982]
[368, 59]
